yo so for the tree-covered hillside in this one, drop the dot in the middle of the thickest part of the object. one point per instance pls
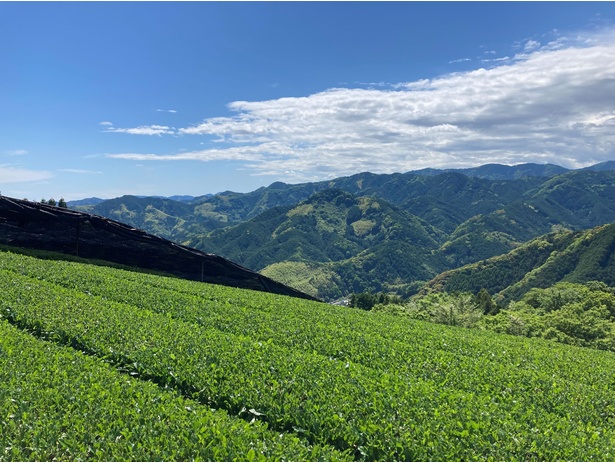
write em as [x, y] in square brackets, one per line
[381, 260]
[576, 200]
[332, 225]
[357, 239]
[580, 256]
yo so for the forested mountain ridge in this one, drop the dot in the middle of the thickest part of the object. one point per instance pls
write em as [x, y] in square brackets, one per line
[565, 256]
[331, 225]
[347, 237]
[226, 208]
[576, 200]
[513, 172]
[502, 172]
[408, 227]
[163, 217]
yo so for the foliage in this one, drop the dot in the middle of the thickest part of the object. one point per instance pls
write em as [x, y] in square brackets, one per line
[332, 244]
[462, 309]
[328, 227]
[367, 300]
[576, 314]
[52, 202]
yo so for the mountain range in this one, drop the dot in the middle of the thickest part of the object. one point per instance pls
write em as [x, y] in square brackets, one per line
[373, 232]
[510, 172]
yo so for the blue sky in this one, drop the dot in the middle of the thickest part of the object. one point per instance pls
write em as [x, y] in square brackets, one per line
[105, 99]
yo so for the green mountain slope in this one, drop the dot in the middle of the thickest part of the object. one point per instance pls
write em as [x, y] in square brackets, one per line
[163, 217]
[602, 166]
[228, 208]
[445, 200]
[576, 200]
[393, 266]
[330, 226]
[364, 254]
[333, 231]
[567, 256]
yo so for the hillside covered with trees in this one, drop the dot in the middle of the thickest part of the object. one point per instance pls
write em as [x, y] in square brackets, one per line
[566, 256]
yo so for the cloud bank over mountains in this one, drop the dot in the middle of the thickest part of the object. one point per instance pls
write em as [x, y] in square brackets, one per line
[548, 103]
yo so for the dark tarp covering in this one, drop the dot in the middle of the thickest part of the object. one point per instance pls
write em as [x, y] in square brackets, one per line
[44, 227]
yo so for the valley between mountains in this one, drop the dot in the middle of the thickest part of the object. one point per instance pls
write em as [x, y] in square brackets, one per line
[397, 232]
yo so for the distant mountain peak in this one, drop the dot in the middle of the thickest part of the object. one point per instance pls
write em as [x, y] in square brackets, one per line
[602, 166]
[86, 201]
[277, 185]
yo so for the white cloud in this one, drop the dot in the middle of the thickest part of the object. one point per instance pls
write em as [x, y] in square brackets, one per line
[531, 45]
[172, 111]
[144, 130]
[21, 175]
[106, 123]
[496, 60]
[16, 152]
[552, 103]
[461, 60]
[373, 84]
[80, 171]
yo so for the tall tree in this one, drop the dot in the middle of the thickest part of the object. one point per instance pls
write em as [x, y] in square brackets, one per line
[484, 301]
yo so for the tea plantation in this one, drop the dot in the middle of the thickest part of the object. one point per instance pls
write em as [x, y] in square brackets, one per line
[106, 364]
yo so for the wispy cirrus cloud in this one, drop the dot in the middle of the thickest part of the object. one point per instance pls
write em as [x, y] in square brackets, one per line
[549, 103]
[496, 60]
[171, 111]
[149, 130]
[80, 171]
[16, 152]
[10, 174]
[460, 60]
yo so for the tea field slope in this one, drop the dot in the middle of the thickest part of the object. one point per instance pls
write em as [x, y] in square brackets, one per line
[58, 404]
[335, 382]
